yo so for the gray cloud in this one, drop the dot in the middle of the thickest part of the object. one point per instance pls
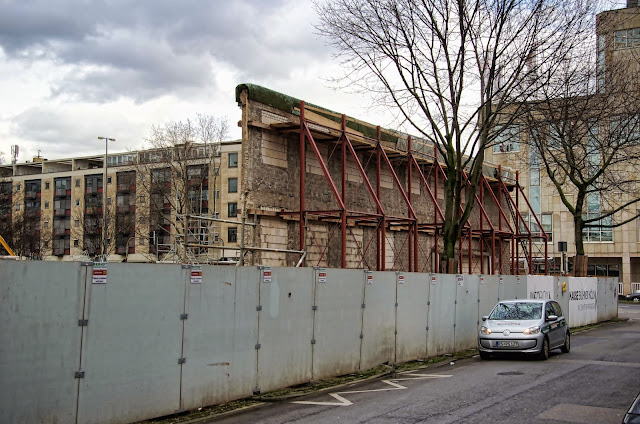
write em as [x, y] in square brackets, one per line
[57, 133]
[142, 50]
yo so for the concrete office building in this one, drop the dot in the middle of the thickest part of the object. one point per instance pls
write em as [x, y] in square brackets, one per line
[611, 251]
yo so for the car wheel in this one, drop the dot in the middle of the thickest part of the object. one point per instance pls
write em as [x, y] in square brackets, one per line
[636, 299]
[544, 352]
[485, 355]
[566, 347]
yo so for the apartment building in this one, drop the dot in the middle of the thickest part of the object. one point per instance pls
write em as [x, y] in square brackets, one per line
[615, 251]
[151, 204]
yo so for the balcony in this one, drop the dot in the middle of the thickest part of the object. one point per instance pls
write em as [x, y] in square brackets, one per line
[32, 194]
[59, 212]
[126, 230]
[62, 192]
[161, 187]
[61, 232]
[93, 210]
[123, 188]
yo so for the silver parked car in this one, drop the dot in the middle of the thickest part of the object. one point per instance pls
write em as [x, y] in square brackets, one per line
[524, 326]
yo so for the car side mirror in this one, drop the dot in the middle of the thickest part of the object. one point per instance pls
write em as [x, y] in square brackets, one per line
[552, 317]
[486, 317]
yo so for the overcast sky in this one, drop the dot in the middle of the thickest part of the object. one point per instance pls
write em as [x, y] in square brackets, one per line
[73, 70]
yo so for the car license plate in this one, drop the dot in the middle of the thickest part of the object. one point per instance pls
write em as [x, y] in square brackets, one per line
[507, 344]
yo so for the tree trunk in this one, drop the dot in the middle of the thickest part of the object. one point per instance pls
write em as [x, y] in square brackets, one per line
[580, 265]
[448, 266]
[578, 226]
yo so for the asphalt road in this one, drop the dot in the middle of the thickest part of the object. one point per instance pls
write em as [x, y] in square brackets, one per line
[594, 383]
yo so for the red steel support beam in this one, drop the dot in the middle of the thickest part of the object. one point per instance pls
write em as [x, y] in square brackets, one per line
[410, 232]
[470, 251]
[383, 227]
[343, 238]
[302, 174]
[517, 209]
[325, 170]
[499, 203]
[435, 215]
[481, 228]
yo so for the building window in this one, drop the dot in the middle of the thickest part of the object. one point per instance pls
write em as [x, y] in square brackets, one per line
[233, 160]
[232, 210]
[46, 204]
[77, 203]
[142, 198]
[75, 243]
[108, 180]
[626, 38]
[508, 140]
[546, 220]
[603, 270]
[17, 187]
[232, 235]
[233, 185]
[46, 224]
[108, 201]
[601, 63]
[598, 233]
[76, 223]
[77, 182]
[547, 225]
[17, 207]
[46, 185]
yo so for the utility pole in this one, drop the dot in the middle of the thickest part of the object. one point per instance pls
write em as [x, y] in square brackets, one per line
[104, 197]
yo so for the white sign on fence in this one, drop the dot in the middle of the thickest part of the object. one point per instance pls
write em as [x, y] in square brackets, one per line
[99, 273]
[540, 287]
[196, 275]
[582, 300]
[322, 276]
[266, 274]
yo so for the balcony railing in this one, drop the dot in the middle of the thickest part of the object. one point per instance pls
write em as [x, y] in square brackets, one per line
[61, 231]
[93, 210]
[126, 187]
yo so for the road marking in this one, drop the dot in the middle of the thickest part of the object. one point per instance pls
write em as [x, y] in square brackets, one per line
[391, 382]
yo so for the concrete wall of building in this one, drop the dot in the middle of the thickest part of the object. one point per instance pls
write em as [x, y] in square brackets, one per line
[151, 340]
[623, 252]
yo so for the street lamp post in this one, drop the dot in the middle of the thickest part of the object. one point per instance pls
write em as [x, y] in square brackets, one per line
[104, 197]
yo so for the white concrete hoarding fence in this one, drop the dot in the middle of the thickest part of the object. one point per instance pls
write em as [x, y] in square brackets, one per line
[149, 340]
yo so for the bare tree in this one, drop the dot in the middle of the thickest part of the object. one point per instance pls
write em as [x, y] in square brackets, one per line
[175, 174]
[451, 68]
[586, 136]
[87, 227]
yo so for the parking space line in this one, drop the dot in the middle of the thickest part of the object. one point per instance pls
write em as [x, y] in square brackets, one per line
[391, 382]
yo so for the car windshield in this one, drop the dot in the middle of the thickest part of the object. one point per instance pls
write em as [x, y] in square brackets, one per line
[517, 311]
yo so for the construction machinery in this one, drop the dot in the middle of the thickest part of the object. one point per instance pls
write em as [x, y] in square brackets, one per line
[6, 246]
